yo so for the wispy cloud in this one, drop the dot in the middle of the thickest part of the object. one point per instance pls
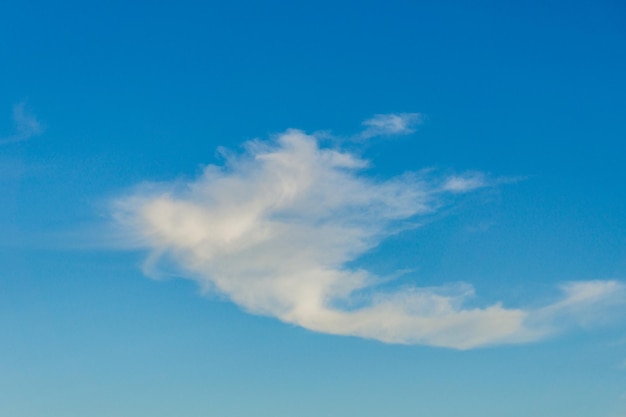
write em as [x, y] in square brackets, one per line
[25, 125]
[275, 228]
[464, 183]
[391, 124]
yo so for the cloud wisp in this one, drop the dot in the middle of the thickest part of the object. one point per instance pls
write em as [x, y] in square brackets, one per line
[391, 125]
[276, 227]
[26, 125]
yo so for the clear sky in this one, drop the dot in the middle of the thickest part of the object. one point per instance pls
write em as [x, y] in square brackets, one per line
[347, 208]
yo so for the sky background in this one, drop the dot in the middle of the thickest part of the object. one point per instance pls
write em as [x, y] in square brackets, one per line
[97, 98]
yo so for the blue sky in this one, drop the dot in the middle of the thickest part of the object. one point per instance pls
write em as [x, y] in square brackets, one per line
[442, 232]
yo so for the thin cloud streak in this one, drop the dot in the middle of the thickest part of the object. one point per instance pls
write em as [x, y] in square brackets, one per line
[26, 125]
[275, 228]
[465, 183]
[391, 124]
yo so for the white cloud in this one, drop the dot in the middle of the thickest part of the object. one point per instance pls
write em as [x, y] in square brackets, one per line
[579, 305]
[26, 125]
[391, 124]
[274, 229]
[465, 183]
